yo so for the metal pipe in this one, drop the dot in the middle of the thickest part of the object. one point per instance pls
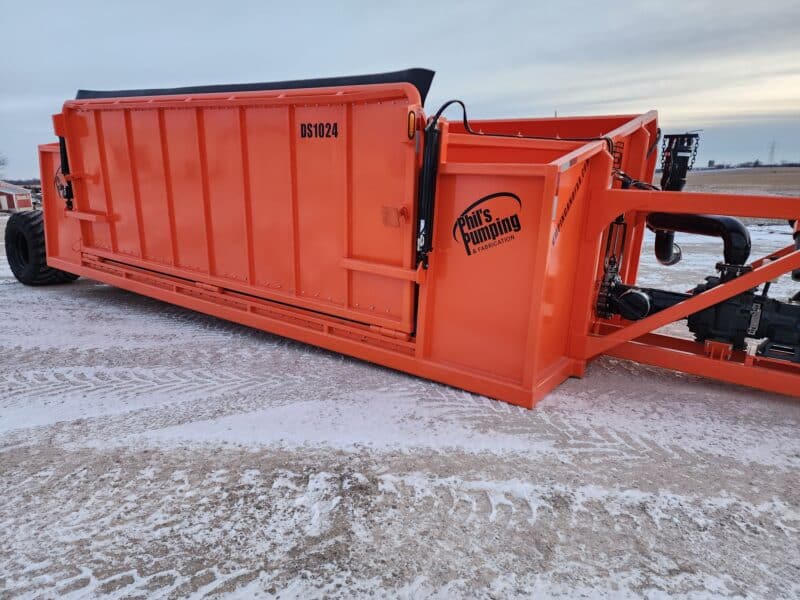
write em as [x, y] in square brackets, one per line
[667, 251]
[796, 225]
[735, 236]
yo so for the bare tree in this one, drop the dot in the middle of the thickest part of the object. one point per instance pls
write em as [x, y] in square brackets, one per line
[3, 163]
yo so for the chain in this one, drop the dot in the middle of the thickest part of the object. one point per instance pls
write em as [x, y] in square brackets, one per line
[619, 147]
[695, 146]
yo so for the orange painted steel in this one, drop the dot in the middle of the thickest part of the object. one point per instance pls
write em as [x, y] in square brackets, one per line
[218, 188]
[250, 207]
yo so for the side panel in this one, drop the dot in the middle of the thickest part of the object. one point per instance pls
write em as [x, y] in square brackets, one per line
[321, 205]
[224, 180]
[270, 193]
[304, 197]
[563, 246]
[62, 235]
[186, 179]
[380, 207]
[84, 144]
[481, 278]
[151, 183]
[119, 181]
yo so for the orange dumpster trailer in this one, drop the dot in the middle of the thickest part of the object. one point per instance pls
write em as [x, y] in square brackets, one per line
[497, 256]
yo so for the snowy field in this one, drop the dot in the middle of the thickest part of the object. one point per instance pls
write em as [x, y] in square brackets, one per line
[147, 451]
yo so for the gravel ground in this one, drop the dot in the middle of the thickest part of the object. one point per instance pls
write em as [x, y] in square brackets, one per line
[148, 451]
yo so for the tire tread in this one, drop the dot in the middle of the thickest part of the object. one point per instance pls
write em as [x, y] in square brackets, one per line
[30, 224]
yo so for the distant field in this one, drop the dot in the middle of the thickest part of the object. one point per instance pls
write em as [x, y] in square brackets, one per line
[784, 181]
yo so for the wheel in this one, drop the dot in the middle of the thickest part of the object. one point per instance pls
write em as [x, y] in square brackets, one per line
[25, 251]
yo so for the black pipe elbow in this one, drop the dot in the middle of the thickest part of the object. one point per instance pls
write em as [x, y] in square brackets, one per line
[796, 272]
[735, 236]
[667, 251]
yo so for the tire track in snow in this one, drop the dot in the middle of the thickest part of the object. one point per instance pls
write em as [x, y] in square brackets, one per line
[205, 522]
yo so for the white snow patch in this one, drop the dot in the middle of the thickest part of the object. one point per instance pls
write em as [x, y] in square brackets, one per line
[377, 421]
[658, 506]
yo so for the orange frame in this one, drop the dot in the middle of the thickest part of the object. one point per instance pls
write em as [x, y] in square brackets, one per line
[510, 320]
[635, 341]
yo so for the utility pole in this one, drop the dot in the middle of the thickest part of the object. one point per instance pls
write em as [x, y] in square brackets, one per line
[772, 152]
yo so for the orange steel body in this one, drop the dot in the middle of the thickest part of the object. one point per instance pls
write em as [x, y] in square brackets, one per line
[230, 205]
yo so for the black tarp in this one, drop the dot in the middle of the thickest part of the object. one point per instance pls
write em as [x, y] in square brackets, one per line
[419, 78]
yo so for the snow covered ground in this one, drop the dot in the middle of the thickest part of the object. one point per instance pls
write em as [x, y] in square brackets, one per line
[148, 451]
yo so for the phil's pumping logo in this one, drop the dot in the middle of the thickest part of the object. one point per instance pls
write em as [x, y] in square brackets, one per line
[488, 222]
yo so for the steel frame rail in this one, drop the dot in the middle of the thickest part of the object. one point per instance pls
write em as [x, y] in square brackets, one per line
[636, 341]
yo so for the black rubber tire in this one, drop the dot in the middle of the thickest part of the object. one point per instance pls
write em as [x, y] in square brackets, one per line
[25, 251]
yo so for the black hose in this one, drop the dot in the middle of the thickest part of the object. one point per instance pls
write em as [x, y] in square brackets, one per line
[67, 192]
[609, 142]
[427, 192]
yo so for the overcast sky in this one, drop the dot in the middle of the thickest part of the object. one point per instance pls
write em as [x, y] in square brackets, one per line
[730, 67]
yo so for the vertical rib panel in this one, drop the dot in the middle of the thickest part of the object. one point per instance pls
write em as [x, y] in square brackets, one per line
[209, 232]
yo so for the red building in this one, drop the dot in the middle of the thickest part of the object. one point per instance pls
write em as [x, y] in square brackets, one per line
[14, 197]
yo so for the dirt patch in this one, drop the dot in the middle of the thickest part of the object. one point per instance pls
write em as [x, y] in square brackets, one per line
[783, 181]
